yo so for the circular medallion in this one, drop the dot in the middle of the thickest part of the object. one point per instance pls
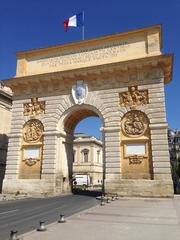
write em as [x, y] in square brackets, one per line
[134, 124]
[32, 131]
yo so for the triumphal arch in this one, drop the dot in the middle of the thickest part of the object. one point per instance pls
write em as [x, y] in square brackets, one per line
[119, 78]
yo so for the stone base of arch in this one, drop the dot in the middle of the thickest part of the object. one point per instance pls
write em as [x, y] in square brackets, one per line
[140, 188]
[124, 187]
[50, 185]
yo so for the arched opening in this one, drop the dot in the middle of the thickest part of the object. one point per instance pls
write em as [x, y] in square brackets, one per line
[82, 151]
[75, 117]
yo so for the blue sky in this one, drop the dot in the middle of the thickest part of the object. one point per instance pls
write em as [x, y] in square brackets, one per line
[29, 24]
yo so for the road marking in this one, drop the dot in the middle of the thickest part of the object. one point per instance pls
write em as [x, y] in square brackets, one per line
[15, 210]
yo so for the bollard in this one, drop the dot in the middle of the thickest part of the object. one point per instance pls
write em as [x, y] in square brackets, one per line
[13, 235]
[113, 198]
[102, 201]
[61, 219]
[42, 227]
[108, 200]
[117, 196]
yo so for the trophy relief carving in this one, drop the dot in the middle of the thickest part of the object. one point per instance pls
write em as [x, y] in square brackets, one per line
[32, 131]
[134, 124]
[133, 97]
[31, 161]
[34, 107]
[135, 159]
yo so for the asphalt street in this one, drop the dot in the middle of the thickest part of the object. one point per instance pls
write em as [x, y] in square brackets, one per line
[24, 215]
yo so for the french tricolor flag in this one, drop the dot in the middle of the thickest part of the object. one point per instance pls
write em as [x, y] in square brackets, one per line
[74, 21]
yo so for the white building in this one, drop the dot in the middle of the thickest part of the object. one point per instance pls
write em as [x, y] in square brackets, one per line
[88, 157]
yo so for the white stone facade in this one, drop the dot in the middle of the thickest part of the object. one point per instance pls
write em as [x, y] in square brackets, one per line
[88, 158]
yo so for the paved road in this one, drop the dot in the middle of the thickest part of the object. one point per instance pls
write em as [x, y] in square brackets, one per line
[24, 215]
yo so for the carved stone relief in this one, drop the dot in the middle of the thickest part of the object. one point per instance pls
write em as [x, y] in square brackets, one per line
[79, 92]
[32, 131]
[133, 97]
[31, 161]
[34, 108]
[134, 124]
[135, 159]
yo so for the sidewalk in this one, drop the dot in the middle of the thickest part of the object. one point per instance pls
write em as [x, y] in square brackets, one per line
[126, 219]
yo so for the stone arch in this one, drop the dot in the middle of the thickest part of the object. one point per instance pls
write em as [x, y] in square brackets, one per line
[76, 113]
[136, 161]
[111, 84]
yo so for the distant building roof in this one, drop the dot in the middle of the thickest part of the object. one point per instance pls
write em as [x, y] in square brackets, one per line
[5, 96]
[82, 137]
[5, 90]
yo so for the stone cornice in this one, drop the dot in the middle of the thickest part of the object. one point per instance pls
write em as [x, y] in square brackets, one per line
[6, 93]
[163, 61]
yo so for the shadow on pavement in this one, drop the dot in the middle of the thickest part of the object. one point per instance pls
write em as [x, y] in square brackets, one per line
[91, 193]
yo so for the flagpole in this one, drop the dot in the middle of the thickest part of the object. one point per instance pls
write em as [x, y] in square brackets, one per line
[83, 27]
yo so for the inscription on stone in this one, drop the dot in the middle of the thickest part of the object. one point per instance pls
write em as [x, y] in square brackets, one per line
[84, 56]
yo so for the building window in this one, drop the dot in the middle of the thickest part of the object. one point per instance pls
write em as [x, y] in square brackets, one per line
[98, 156]
[85, 153]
